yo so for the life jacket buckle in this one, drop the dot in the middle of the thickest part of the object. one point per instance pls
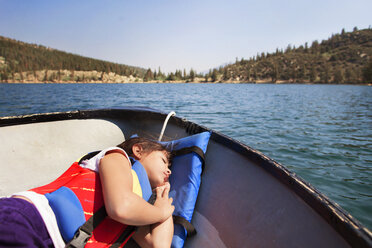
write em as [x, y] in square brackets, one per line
[80, 239]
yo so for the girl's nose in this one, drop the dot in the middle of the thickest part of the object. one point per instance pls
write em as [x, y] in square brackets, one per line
[169, 171]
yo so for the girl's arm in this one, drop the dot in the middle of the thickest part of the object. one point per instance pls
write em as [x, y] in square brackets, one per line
[159, 234]
[121, 203]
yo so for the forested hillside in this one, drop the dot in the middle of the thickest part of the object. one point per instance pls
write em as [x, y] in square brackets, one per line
[42, 63]
[343, 58]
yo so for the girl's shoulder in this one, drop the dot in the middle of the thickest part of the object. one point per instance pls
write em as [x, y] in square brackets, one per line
[94, 162]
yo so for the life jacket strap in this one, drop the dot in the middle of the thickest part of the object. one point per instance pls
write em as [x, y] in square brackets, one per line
[191, 149]
[84, 232]
[191, 231]
[80, 239]
[124, 236]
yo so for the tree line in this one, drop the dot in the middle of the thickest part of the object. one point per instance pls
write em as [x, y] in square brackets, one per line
[343, 58]
[179, 75]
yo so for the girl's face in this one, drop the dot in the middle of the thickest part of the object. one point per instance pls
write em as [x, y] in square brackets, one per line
[156, 165]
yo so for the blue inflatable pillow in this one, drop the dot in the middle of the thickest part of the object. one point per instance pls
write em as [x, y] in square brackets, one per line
[185, 179]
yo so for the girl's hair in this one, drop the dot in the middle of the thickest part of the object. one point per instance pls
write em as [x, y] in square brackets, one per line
[147, 145]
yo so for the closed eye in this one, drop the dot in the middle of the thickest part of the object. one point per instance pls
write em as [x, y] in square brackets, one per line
[166, 163]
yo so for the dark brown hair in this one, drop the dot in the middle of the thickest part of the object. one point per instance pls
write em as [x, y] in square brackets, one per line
[147, 145]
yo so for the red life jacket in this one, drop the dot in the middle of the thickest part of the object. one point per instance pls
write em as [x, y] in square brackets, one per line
[86, 185]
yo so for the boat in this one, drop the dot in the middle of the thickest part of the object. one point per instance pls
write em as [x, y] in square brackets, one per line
[246, 199]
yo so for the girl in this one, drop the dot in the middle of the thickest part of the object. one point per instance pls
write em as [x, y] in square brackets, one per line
[25, 217]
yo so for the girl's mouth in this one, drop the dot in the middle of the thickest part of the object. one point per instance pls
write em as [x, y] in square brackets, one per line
[166, 178]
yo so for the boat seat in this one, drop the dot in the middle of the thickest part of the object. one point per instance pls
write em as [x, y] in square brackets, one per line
[50, 148]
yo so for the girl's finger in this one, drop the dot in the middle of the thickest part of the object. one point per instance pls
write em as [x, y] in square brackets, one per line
[159, 192]
[167, 185]
[166, 192]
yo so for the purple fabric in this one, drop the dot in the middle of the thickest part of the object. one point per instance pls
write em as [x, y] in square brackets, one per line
[21, 225]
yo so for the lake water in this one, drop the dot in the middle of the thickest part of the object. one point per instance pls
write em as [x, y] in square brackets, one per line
[323, 133]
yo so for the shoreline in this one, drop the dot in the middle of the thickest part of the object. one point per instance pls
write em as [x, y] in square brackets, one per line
[98, 77]
[181, 82]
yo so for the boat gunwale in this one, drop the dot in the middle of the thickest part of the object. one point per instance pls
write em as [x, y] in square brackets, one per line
[346, 225]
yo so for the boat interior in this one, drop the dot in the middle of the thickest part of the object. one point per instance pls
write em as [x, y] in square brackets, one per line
[246, 199]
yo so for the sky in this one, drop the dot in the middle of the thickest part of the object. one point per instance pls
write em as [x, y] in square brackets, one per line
[174, 34]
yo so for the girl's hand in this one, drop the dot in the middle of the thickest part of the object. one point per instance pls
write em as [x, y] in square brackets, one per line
[163, 202]
[159, 234]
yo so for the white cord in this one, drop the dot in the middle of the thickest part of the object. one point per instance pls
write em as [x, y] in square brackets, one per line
[165, 124]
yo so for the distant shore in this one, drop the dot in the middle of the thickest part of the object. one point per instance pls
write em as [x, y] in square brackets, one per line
[95, 77]
[176, 82]
[181, 82]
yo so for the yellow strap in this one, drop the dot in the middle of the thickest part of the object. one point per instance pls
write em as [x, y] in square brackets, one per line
[77, 161]
[136, 184]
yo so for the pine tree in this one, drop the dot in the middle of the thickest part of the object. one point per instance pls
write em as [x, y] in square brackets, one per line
[2, 77]
[288, 49]
[275, 73]
[225, 75]
[21, 76]
[171, 77]
[338, 77]
[214, 75]
[148, 76]
[255, 75]
[367, 72]
[46, 76]
[178, 75]
[294, 73]
[160, 74]
[72, 75]
[315, 46]
[59, 75]
[192, 75]
[301, 73]
[312, 74]
[325, 76]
